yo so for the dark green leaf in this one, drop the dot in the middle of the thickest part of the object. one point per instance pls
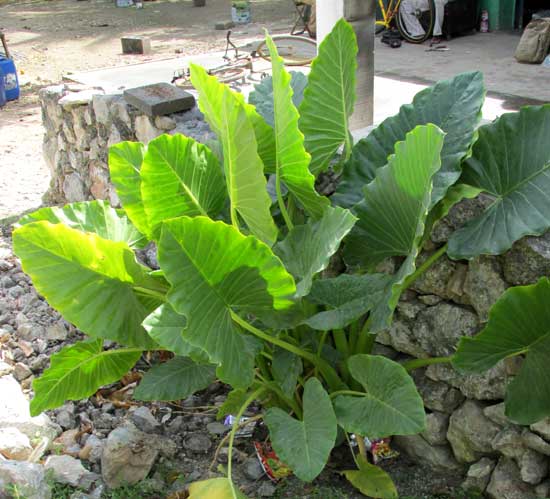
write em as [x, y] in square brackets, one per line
[305, 445]
[176, 379]
[286, 368]
[453, 105]
[391, 404]
[519, 324]
[371, 480]
[511, 162]
[233, 403]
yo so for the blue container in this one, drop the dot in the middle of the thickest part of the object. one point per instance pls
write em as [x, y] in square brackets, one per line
[2, 91]
[11, 83]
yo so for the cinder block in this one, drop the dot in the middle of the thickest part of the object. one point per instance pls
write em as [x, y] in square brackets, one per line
[223, 25]
[136, 45]
[159, 99]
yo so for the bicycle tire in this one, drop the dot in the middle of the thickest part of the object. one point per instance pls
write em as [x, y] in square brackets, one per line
[294, 50]
[230, 74]
[428, 24]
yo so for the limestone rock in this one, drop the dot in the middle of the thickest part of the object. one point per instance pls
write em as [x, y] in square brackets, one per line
[434, 281]
[81, 98]
[67, 469]
[165, 123]
[101, 105]
[533, 467]
[14, 444]
[543, 490]
[535, 442]
[437, 424]
[144, 420]
[400, 337]
[470, 433]
[437, 396]
[542, 428]
[56, 332]
[21, 371]
[479, 474]
[528, 260]
[145, 131]
[128, 456]
[66, 443]
[484, 284]
[73, 188]
[92, 450]
[506, 482]
[509, 442]
[439, 457]
[28, 478]
[496, 414]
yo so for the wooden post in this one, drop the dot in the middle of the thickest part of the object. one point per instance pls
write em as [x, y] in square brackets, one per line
[361, 15]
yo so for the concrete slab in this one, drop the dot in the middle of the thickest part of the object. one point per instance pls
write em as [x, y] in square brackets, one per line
[159, 99]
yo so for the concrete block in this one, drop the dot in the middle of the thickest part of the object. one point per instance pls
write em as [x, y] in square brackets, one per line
[159, 99]
[136, 45]
[223, 25]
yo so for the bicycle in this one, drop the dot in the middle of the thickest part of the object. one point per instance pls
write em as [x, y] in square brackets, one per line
[294, 50]
[391, 15]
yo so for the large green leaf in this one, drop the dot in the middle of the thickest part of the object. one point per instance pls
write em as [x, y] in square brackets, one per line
[262, 95]
[371, 480]
[286, 367]
[390, 405]
[216, 272]
[180, 176]
[329, 96]
[305, 445]
[453, 105]
[233, 403]
[307, 248]
[519, 324]
[176, 379]
[393, 212]
[125, 160]
[225, 112]
[215, 488]
[510, 162]
[292, 158]
[347, 298]
[90, 216]
[76, 372]
[94, 283]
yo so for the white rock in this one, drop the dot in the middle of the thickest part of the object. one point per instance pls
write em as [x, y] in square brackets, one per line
[542, 428]
[145, 131]
[56, 332]
[28, 478]
[83, 97]
[14, 444]
[165, 123]
[67, 469]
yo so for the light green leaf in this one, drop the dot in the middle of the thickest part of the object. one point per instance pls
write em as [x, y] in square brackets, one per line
[453, 105]
[125, 160]
[519, 324]
[305, 445]
[216, 272]
[94, 283]
[265, 136]
[393, 212]
[227, 116]
[215, 488]
[371, 480]
[262, 95]
[233, 403]
[510, 162]
[330, 96]
[391, 404]
[307, 248]
[76, 372]
[176, 379]
[292, 158]
[180, 176]
[91, 216]
[286, 367]
[347, 297]
[166, 327]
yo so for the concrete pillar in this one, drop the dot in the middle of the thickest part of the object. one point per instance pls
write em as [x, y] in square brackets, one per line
[361, 15]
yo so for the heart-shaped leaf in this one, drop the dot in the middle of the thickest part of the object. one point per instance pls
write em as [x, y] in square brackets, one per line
[91, 216]
[286, 367]
[453, 105]
[76, 372]
[305, 445]
[371, 480]
[511, 162]
[215, 273]
[307, 249]
[330, 96]
[215, 488]
[187, 174]
[176, 379]
[519, 324]
[390, 405]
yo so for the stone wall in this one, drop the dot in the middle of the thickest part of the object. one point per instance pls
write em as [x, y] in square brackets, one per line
[467, 430]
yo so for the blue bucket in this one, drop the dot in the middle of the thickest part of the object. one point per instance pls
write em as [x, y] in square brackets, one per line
[2, 91]
[11, 82]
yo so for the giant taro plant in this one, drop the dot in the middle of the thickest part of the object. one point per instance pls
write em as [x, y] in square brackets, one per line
[243, 240]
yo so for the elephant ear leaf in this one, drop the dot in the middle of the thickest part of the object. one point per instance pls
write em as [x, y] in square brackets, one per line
[453, 105]
[96, 284]
[329, 97]
[91, 216]
[371, 480]
[215, 488]
[216, 273]
[305, 445]
[511, 163]
[519, 324]
[76, 372]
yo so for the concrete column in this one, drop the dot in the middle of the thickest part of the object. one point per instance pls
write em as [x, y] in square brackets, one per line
[361, 15]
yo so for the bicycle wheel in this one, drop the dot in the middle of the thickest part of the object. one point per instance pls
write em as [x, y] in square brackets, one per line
[294, 50]
[229, 74]
[425, 18]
